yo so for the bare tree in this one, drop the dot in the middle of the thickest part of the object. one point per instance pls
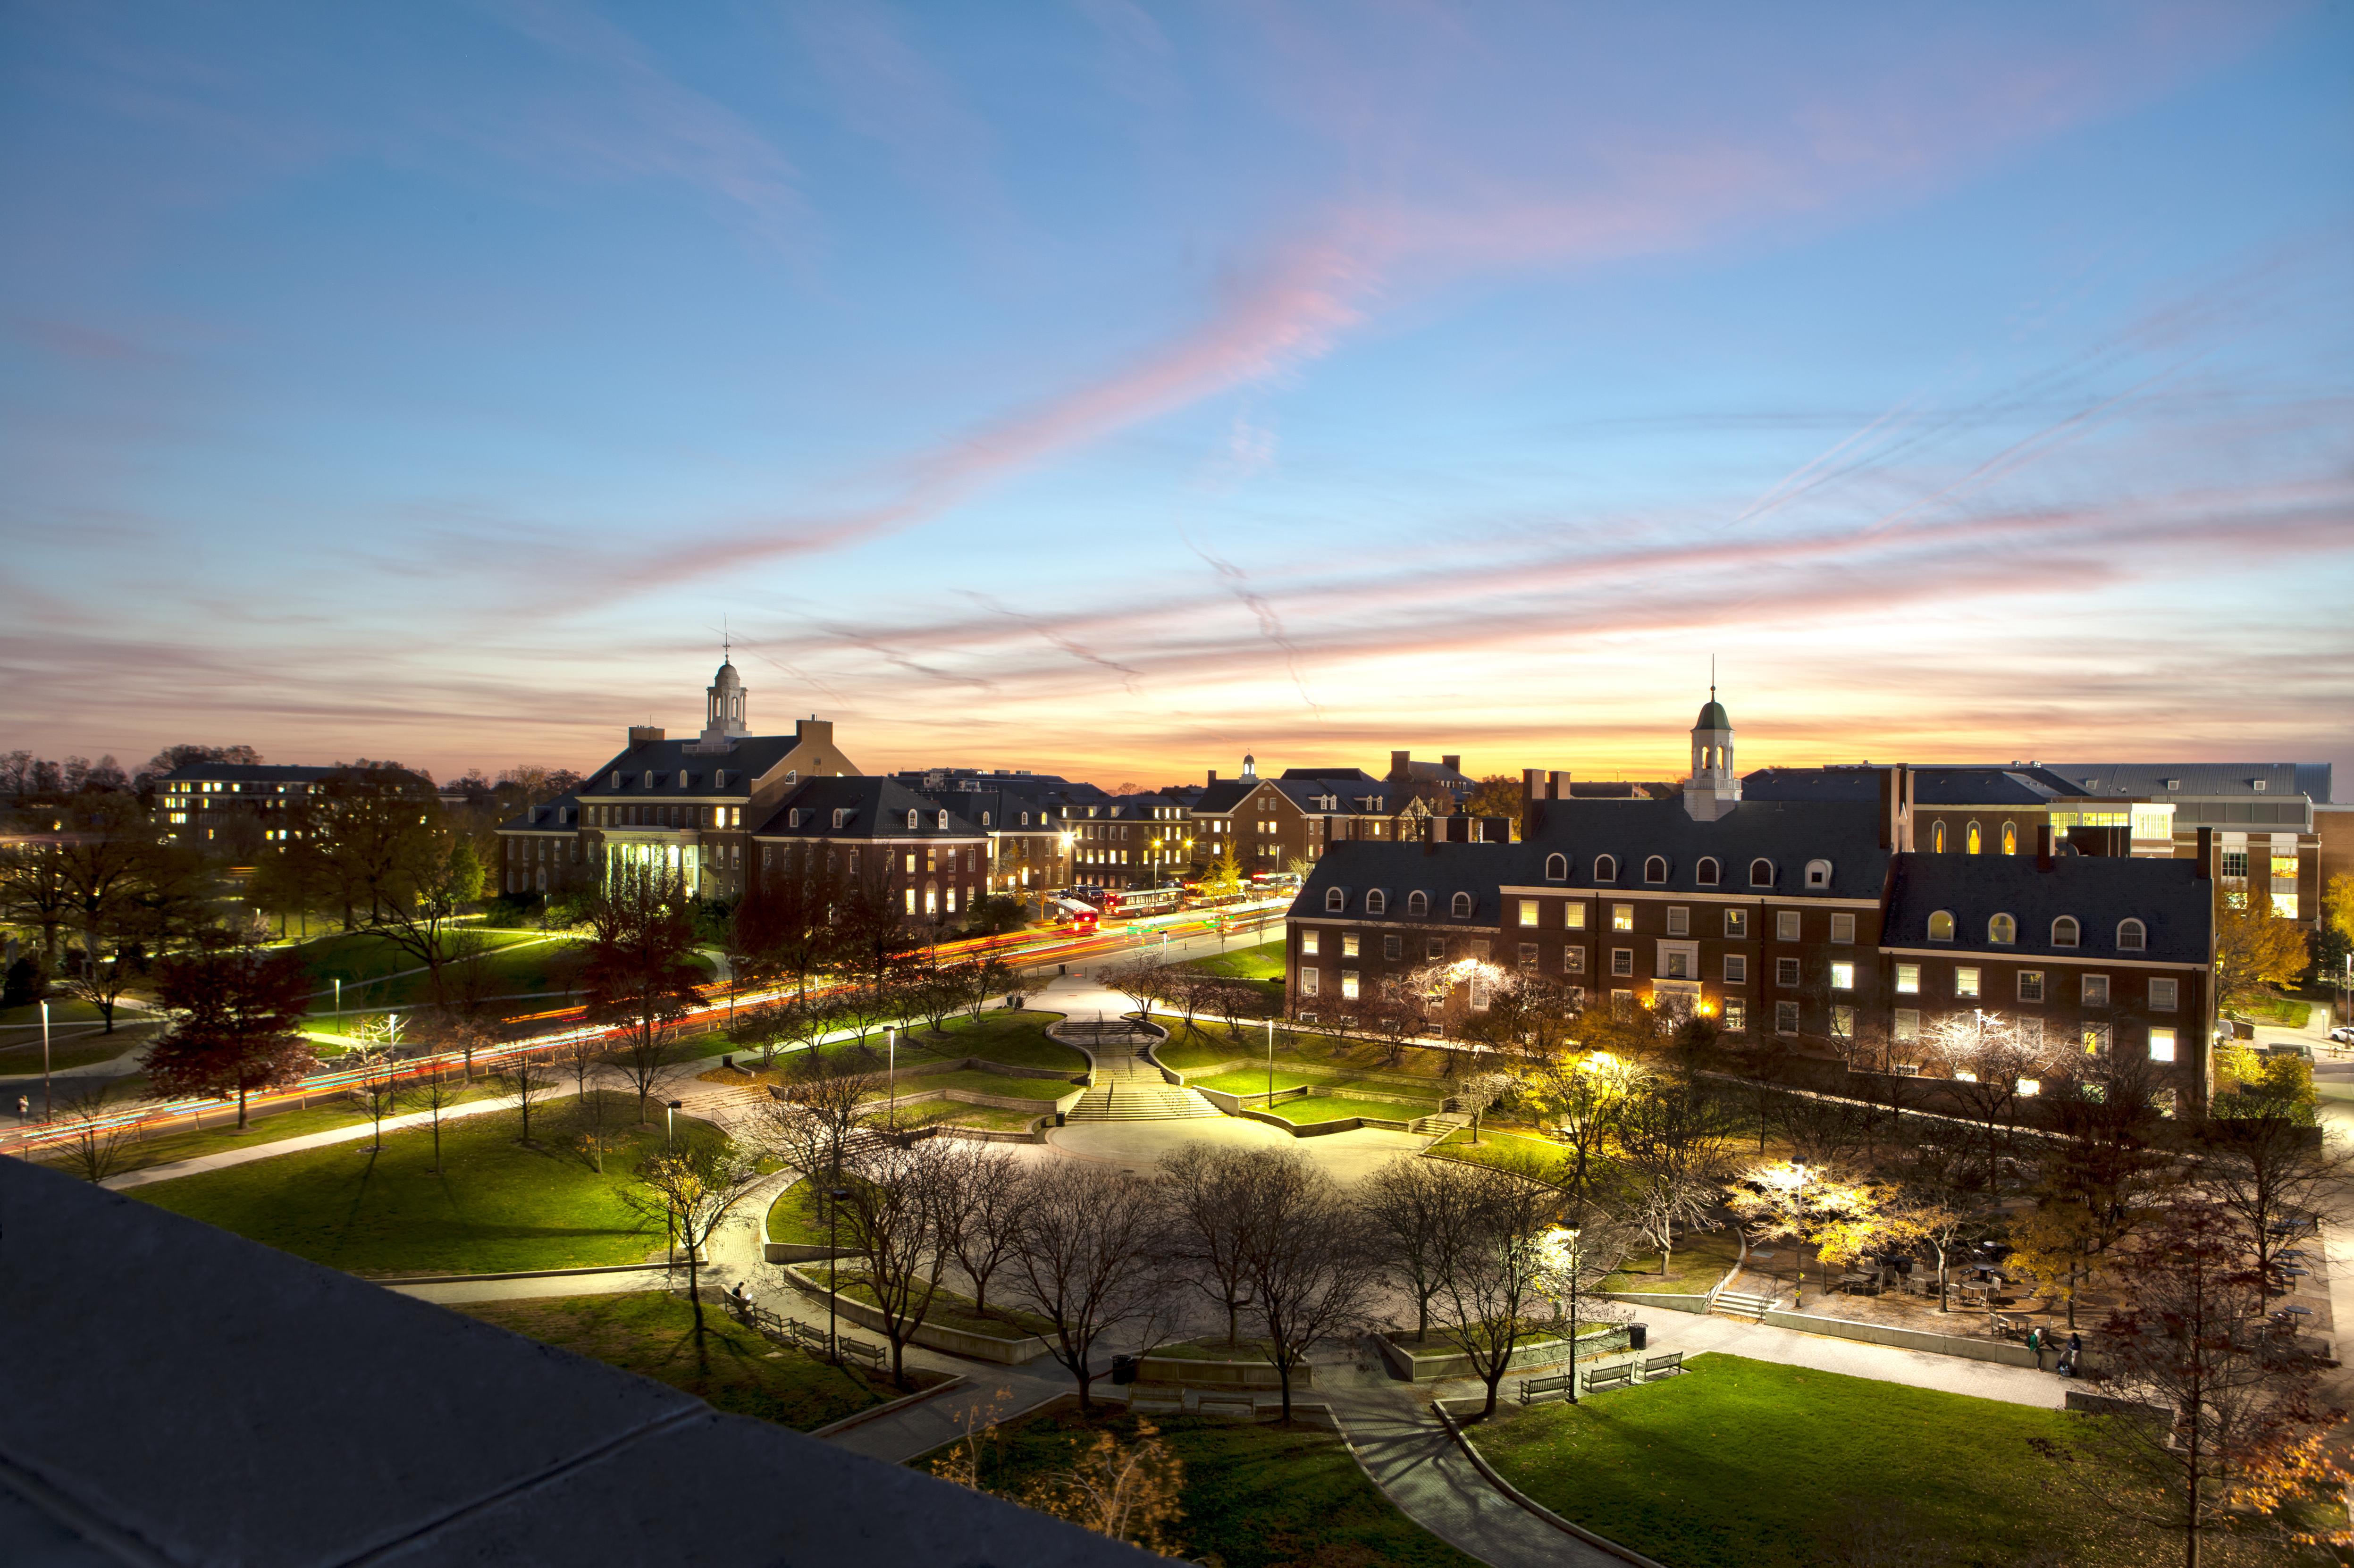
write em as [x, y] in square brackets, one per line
[527, 1080]
[693, 1185]
[1143, 980]
[581, 1056]
[435, 1091]
[639, 972]
[1988, 1058]
[1308, 1255]
[1675, 1147]
[1415, 1206]
[815, 1121]
[1499, 1267]
[988, 1182]
[901, 1214]
[1088, 1260]
[2268, 1173]
[97, 1128]
[1206, 1185]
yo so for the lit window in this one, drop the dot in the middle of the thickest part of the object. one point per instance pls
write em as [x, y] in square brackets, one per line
[1908, 1023]
[2162, 994]
[1736, 969]
[1573, 916]
[1736, 924]
[1308, 981]
[1528, 911]
[1937, 838]
[2095, 1038]
[1622, 916]
[1842, 1022]
[1307, 943]
[1786, 924]
[1970, 839]
[2096, 990]
[1843, 929]
[2030, 985]
[1965, 980]
[2161, 1044]
[1572, 961]
[1736, 1015]
[1908, 979]
[1348, 944]
[1349, 985]
[1679, 922]
[1842, 977]
[2010, 838]
[1941, 926]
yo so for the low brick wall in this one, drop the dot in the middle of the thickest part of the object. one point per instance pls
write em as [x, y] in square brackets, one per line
[934, 1336]
[1665, 1300]
[1418, 1364]
[2001, 1350]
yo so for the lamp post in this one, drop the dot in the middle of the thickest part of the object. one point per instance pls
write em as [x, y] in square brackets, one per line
[833, 1197]
[45, 1059]
[1572, 1232]
[1270, 1064]
[670, 1119]
[890, 1072]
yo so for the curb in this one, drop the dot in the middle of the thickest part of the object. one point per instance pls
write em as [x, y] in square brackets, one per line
[1601, 1542]
[891, 1407]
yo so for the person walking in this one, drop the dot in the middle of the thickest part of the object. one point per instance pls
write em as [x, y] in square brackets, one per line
[2035, 1346]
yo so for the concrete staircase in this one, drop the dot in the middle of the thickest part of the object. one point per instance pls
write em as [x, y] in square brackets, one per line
[1740, 1304]
[1438, 1124]
[1128, 1088]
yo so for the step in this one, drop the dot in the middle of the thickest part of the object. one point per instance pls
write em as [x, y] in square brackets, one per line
[1742, 1303]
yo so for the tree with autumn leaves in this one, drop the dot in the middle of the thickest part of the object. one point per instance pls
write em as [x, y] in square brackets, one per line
[236, 1016]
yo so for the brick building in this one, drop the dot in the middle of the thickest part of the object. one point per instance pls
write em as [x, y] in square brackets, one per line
[2260, 815]
[932, 863]
[236, 808]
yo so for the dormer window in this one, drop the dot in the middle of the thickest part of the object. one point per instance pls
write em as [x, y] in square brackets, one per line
[2002, 931]
[1417, 902]
[984, 818]
[1941, 926]
[1335, 900]
[793, 818]
[841, 817]
[2132, 936]
[1819, 873]
[617, 778]
[1462, 907]
[944, 821]
[2064, 931]
[2257, 785]
[1026, 819]
[1761, 874]
[912, 817]
[2173, 783]
[1705, 873]
[1556, 868]
[1606, 868]
[1377, 902]
[1655, 869]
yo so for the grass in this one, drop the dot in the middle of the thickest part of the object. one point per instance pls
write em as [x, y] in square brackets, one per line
[2276, 1009]
[21, 1056]
[1496, 1145]
[1316, 1108]
[1253, 1081]
[1699, 1261]
[955, 1113]
[1214, 1347]
[1752, 1464]
[950, 1311]
[1262, 962]
[276, 1128]
[1254, 1497]
[1046, 1090]
[370, 969]
[1209, 1044]
[496, 1206]
[1010, 1039]
[651, 1334]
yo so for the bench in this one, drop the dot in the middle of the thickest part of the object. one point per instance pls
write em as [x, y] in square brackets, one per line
[1621, 1376]
[870, 1355]
[1244, 1409]
[1673, 1361]
[1536, 1388]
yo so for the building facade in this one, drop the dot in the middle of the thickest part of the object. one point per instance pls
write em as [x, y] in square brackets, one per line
[877, 838]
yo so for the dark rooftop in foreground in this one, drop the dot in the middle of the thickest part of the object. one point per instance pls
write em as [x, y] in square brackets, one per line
[181, 1395]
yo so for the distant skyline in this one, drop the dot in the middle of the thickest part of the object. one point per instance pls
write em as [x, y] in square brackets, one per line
[1112, 389]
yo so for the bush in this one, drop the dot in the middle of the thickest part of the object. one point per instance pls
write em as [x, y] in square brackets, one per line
[25, 983]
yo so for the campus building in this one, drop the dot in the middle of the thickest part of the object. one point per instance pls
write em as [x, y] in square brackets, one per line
[239, 809]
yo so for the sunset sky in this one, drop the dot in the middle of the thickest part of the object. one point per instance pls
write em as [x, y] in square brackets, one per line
[1111, 390]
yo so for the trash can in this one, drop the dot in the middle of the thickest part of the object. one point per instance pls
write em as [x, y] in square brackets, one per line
[1123, 1369]
[1638, 1335]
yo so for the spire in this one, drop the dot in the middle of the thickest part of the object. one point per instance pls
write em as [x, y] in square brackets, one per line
[724, 704]
[1714, 788]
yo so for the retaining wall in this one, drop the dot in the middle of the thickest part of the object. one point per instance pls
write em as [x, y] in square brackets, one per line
[933, 1336]
[1417, 1365]
[1190, 1372]
[2001, 1350]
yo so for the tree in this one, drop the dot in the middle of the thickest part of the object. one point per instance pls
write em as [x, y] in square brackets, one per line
[1225, 877]
[1988, 1058]
[988, 1185]
[34, 890]
[2268, 1172]
[994, 914]
[694, 1184]
[1674, 1143]
[1141, 979]
[428, 877]
[381, 1088]
[1127, 1490]
[1088, 1260]
[434, 1089]
[1499, 1266]
[1833, 1210]
[97, 1128]
[639, 971]
[2236, 1432]
[1937, 1200]
[1206, 1190]
[901, 1214]
[236, 1020]
[816, 1119]
[2256, 951]
[526, 1079]
[1416, 1209]
[1497, 794]
[1308, 1257]
[1582, 1099]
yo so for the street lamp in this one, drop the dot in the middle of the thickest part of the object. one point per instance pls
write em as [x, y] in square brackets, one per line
[833, 1197]
[890, 1072]
[1570, 1245]
[1270, 1064]
[670, 1119]
[45, 1059]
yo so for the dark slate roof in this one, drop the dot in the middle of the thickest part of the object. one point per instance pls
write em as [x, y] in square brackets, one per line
[1217, 799]
[1358, 866]
[250, 772]
[1351, 775]
[2232, 779]
[559, 815]
[1932, 785]
[1350, 795]
[240, 1426]
[2167, 895]
[663, 761]
[1003, 808]
[1789, 833]
[878, 809]
[1129, 809]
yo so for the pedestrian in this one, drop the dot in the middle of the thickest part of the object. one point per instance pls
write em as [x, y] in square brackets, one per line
[2068, 1356]
[2035, 1346]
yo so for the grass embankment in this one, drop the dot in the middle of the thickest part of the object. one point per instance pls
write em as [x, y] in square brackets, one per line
[20, 1049]
[2280, 1009]
[950, 1311]
[1699, 1261]
[1750, 1464]
[334, 1111]
[496, 1205]
[1316, 1108]
[1298, 1051]
[1009, 1039]
[651, 1334]
[371, 969]
[1260, 963]
[956, 1113]
[1254, 1497]
[1497, 1147]
[1214, 1347]
[1043, 1089]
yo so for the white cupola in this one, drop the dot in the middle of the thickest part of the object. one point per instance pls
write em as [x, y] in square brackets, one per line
[723, 711]
[1714, 788]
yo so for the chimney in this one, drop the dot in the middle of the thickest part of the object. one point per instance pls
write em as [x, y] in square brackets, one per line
[1895, 807]
[2206, 854]
[1557, 785]
[1531, 790]
[1452, 763]
[1214, 775]
[641, 734]
[1398, 764]
[2043, 856]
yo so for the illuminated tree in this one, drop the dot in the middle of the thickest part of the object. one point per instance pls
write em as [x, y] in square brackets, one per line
[1837, 1213]
[693, 1184]
[236, 1025]
[2256, 951]
[1991, 1064]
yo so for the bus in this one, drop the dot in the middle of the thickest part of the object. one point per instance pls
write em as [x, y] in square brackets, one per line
[1127, 903]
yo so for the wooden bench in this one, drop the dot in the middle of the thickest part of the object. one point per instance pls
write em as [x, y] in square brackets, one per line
[1621, 1376]
[1655, 1366]
[870, 1355]
[1536, 1388]
[1239, 1409]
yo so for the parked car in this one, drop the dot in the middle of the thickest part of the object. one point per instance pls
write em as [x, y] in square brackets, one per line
[2343, 1035]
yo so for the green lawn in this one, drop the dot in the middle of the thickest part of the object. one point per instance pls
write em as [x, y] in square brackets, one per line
[1754, 1465]
[1699, 1261]
[982, 1083]
[516, 963]
[1314, 1108]
[1496, 1145]
[958, 1114]
[1298, 1051]
[334, 1111]
[951, 1311]
[651, 1334]
[1262, 962]
[1010, 1039]
[495, 1205]
[1254, 1497]
[1254, 1080]
[20, 1056]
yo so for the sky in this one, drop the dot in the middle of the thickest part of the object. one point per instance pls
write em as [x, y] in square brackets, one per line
[1112, 389]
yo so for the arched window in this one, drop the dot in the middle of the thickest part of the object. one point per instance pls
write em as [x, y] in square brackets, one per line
[1970, 842]
[2132, 935]
[1463, 906]
[1655, 869]
[2063, 931]
[1376, 902]
[1941, 926]
[1556, 868]
[2002, 930]
[1706, 870]
[1417, 902]
[984, 818]
[944, 821]
[911, 818]
[1761, 874]
[1937, 838]
[1335, 900]
[2010, 838]
[1606, 868]
[1819, 873]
